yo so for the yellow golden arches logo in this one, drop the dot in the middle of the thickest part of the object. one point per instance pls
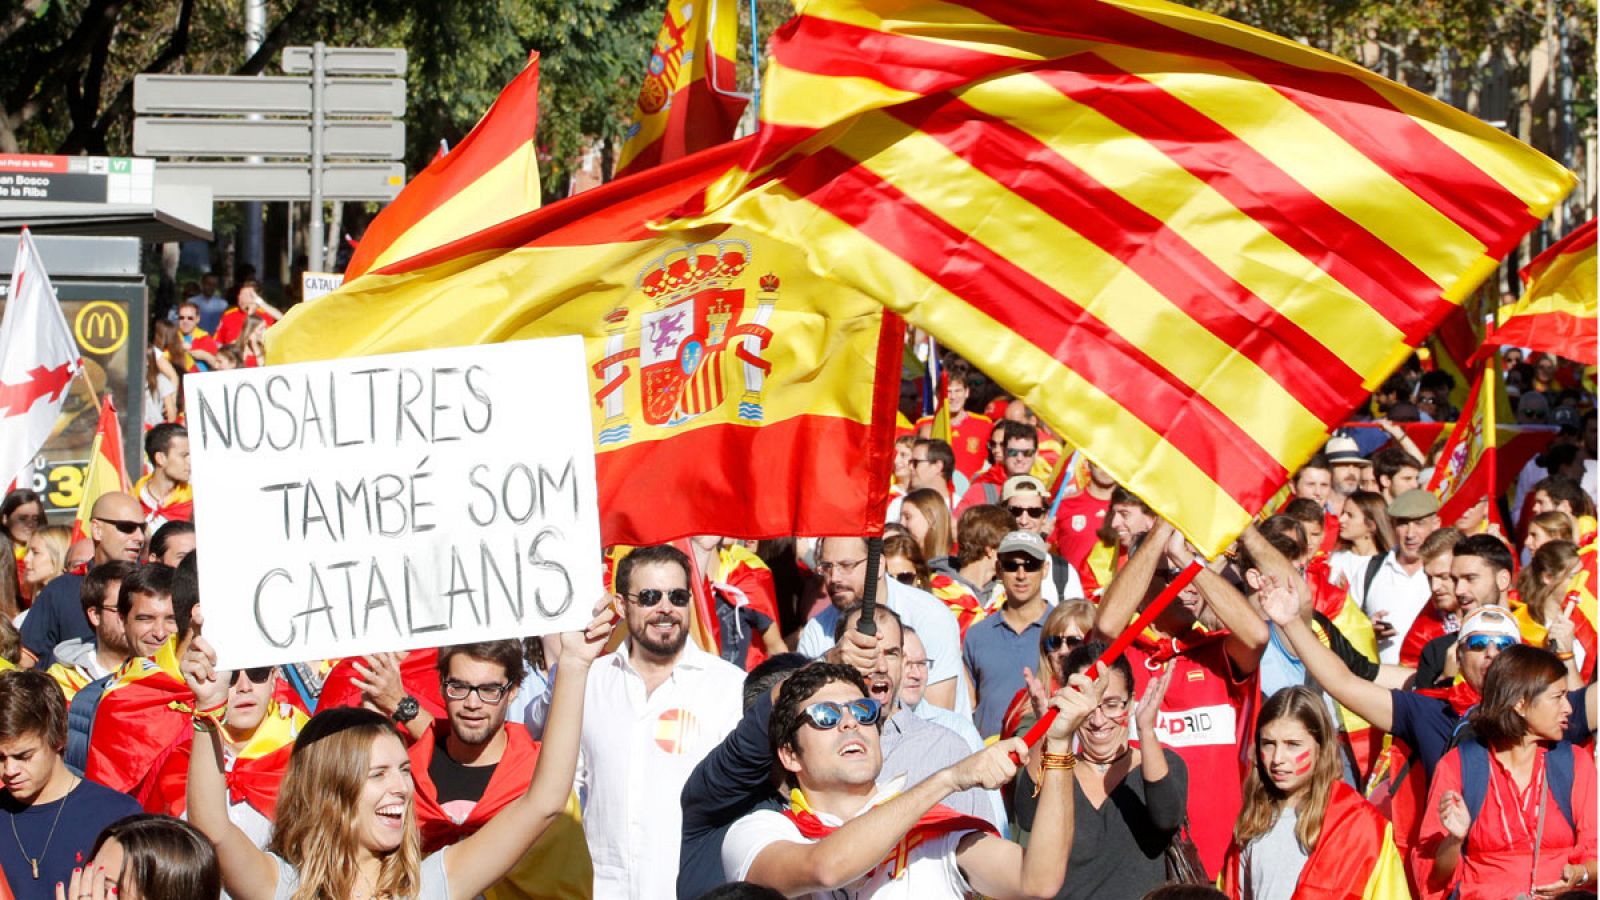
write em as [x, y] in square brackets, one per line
[101, 327]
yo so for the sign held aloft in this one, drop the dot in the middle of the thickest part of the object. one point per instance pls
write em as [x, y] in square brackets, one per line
[394, 502]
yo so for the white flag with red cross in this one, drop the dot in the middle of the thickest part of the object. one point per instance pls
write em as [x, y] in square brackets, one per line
[38, 360]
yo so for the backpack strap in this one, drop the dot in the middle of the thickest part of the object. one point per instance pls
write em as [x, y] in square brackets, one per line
[1374, 566]
[80, 722]
[1558, 763]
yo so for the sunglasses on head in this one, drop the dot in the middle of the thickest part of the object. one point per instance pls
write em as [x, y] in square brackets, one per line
[827, 714]
[648, 597]
[123, 525]
[1032, 512]
[1056, 641]
[1481, 642]
[256, 675]
[1023, 564]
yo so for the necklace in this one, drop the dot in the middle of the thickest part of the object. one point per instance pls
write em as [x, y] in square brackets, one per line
[33, 861]
[1102, 765]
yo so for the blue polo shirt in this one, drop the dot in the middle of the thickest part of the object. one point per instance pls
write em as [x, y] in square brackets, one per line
[996, 656]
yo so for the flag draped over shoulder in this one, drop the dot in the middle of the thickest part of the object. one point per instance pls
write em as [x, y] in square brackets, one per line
[106, 472]
[136, 721]
[686, 103]
[720, 365]
[1192, 247]
[254, 777]
[491, 176]
[1558, 309]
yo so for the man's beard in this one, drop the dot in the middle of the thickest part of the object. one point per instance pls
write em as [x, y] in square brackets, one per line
[670, 647]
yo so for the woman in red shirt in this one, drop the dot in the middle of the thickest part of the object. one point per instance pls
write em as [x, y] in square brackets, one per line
[1534, 828]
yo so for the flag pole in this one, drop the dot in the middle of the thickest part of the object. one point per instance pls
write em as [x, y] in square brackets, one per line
[1123, 642]
[1491, 437]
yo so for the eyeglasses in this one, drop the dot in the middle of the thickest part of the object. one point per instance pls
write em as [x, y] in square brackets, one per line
[256, 675]
[648, 597]
[1056, 641]
[1027, 564]
[1017, 454]
[827, 714]
[1481, 642]
[843, 567]
[123, 525]
[1114, 707]
[488, 693]
[1032, 512]
[906, 577]
[918, 663]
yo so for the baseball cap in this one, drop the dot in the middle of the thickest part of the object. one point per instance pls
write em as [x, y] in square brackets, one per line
[1021, 484]
[1490, 620]
[1024, 542]
[1416, 503]
[1343, 450]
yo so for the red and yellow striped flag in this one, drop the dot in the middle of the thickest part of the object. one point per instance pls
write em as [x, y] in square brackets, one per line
[1558, 309]
[106, 473]
[490, 177]
[687, 102]
[735, 392]
[1191, 246]
[1466, 472]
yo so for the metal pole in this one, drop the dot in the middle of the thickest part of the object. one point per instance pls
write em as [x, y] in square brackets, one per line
[314, 238]
[254, 249]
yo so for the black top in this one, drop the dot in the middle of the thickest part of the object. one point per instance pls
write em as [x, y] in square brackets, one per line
[731, 782]
[1430, 665]
[88, 809]
[454, 781]
[56, 616]
[1118, 850]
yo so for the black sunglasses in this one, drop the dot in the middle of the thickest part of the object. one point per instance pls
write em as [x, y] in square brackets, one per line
[906, 577]
[123, 525]
[1028, 564]
[1055, 641]
[1032, 512]
[256, 675]
[648, 597]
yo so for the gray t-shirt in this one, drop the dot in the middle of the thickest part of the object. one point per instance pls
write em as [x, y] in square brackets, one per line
[1270, 866]
[433, 887]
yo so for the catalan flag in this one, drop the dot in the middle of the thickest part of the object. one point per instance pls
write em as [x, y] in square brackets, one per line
[490, 177]
[1190, 246]
[106, 473]
[688, 101]
[809, 368]
[1558, 309]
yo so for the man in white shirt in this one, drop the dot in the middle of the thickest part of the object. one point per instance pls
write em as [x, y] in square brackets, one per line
[843, 832]
[1397, 590]
[842, 563]
[657, 706]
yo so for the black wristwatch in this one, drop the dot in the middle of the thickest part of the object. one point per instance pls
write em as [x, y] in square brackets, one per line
[406, 710]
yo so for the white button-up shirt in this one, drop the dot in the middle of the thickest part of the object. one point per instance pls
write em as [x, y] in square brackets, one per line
[636, 753]
[1401, 595]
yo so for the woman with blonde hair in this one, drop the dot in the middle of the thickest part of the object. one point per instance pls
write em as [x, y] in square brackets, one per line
[346, 820]
[1303, 832]
[926, 515]
[1550, 615]
[1552, 525]
[47, 556]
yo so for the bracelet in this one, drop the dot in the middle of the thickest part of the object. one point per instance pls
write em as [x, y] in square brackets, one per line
[1059, 761]
[204, 719]
[1564, 655]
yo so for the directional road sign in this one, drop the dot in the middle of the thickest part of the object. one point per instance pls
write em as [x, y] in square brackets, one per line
[273, 96]
[342, 139]
[287, 180]
[347, 60]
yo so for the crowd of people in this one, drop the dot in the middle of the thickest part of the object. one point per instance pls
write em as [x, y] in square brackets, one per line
[1356, 700]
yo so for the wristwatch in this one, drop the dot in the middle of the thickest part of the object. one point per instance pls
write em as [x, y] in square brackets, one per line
[406, 710]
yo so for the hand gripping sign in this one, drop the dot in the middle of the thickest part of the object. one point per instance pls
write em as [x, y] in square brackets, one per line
[393, 502]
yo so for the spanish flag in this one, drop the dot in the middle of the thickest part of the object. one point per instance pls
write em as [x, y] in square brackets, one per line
[688, 100]
[1355, 856]
[1466, 471]
[253, 778]
[1558, 308]
[1190, 246]
[490, 177]
[106, 473]
[720, 364]
[138, 719]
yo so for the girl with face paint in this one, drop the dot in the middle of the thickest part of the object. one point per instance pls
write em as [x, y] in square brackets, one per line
[1303, 832]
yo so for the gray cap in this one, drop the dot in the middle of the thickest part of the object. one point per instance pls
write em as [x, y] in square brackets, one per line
[1413, 504]
[1024, 542]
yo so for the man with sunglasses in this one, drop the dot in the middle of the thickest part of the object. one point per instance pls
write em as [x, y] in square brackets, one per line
[844, 833]
[665, 704]
[998, 647]
[1013, 447]
[470, 764]
[1028, 502]
[117, 527]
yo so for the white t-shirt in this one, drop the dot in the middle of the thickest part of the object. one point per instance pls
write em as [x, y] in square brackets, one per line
[931, 872]
[153, 413]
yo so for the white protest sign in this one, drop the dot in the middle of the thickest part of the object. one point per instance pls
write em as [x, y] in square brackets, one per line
[394, 502]
[319, 284]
